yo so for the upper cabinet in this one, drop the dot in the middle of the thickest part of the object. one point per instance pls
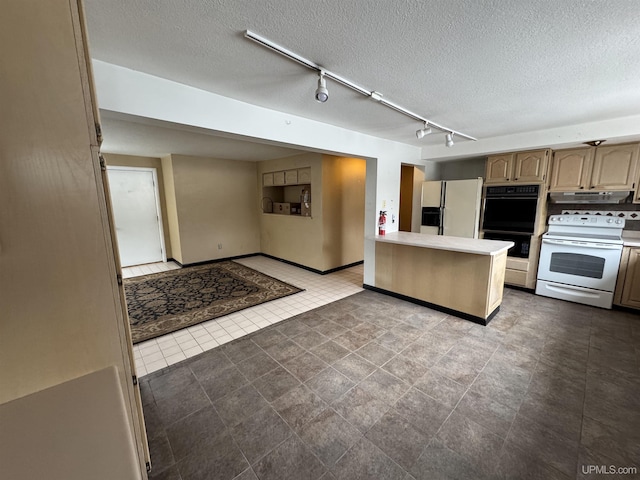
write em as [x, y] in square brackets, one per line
[614, 167]
[570, 169]
[603, 168]
[499, 168]
[304, 175]
[297, 176]
[521, 167]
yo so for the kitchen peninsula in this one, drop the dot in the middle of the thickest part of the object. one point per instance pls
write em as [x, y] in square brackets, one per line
[462, 276]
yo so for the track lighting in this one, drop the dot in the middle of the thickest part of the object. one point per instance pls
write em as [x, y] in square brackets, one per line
[449, 139]
[423, 131]
[322, 94]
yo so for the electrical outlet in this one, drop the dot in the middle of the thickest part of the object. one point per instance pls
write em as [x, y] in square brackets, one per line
[219, 246]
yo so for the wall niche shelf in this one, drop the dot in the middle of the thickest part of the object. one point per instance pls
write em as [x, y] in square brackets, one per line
[287, 192]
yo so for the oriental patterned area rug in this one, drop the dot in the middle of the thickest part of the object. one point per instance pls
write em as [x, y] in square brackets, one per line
[165, 302]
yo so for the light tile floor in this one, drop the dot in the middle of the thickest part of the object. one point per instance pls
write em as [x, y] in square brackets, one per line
[319, 290]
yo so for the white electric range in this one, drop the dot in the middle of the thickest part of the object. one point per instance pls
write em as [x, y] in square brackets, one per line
[579, 259]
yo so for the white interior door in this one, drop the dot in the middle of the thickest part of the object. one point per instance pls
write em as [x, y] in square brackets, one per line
[462, 208]
[136, 212]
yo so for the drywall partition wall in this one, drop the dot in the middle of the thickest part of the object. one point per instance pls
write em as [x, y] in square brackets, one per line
[432, 170]
[343, 205]
[134, 93]
[616, 130]
[216, 208]
[418, 178]
[172, 225]
[462, 169]
[294, 238]
[61, 311]
[147, 162]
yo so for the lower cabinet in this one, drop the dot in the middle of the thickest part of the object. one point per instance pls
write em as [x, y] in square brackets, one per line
[628, 287]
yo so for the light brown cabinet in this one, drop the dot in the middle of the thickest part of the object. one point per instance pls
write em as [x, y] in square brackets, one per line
[304, 175]
[291, 177]
[498, 168]
[278, 178]
[267, 179]
[604, 168]
[296, 176]
[628, 286]
[570, 169]
[521, 167]
[614, 167]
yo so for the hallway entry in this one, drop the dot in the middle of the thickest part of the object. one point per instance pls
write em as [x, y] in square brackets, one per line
[136, 210]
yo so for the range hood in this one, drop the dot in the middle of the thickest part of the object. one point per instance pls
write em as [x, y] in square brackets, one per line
[588, 197]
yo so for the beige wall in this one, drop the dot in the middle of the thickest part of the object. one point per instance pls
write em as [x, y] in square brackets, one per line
[61, 314]
[293, 238]
[216, 202]
[147, 162]
[343, 185]
[334, 235]
[173, 225]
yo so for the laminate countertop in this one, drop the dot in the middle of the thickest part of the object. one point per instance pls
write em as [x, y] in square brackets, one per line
[631, 238]
[451, 244]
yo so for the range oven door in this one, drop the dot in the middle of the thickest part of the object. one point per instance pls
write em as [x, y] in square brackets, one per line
[583, 264]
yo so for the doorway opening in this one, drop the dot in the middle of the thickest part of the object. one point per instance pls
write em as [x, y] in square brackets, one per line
[136, 210]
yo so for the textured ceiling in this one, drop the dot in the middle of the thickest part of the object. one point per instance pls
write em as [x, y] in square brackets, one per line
[487, 68]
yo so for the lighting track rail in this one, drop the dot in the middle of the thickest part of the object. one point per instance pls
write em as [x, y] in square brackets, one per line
[347, 83]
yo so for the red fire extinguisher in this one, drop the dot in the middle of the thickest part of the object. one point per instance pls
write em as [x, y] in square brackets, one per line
[382, 223]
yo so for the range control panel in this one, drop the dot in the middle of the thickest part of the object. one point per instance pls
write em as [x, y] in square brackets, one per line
[587, 221]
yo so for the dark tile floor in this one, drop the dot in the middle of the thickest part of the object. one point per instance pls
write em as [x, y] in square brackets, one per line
[371, 387]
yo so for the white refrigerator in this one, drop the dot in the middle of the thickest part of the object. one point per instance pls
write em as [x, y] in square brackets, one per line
[451, 207]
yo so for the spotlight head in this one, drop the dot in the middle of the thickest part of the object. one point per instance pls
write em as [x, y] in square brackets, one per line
[322, 94]
[449, 140]
[423, 131]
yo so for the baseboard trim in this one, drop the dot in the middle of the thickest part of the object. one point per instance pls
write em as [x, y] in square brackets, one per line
[449, 311]
[522, 289]
[237, 257]
[310, 269]
[216, 260]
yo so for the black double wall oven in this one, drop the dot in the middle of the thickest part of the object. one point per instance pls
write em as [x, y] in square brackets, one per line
[510, 214]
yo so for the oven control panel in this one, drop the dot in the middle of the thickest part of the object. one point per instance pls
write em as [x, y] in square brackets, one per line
[587, 220]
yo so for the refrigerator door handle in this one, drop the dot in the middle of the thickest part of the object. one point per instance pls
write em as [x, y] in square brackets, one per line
[443, 196]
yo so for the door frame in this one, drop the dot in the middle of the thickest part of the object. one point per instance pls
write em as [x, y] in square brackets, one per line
[156, 193]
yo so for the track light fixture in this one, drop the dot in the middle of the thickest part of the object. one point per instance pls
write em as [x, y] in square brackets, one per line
[322, 94]
[423, 131]
[449, 139]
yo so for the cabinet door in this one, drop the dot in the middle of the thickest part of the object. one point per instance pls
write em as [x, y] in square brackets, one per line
[278, 178]
[531, 166]
[499, 168]
[631, 287]
[304, 175]
[614, 167]
[570, 169]
[291, 177]
[267, 179]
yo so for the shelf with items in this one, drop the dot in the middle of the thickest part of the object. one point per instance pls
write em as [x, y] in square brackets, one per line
[287, 192]
[292, 200]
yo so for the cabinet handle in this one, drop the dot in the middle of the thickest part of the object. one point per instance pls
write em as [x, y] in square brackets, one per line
[581, 188]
